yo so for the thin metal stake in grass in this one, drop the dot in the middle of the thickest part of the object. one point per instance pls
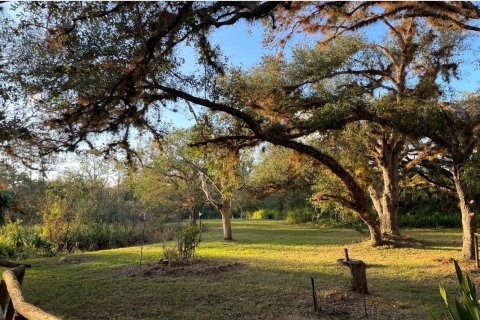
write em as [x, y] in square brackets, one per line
[364, 301]
[143, 239]
[314, 296]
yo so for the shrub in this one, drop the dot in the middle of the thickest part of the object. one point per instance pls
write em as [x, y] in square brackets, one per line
[435, 220]
[18, 242]
[7, 249]
[6, 202]
[255, 214]
[171, 254]
[301, 215]
[271, 214]
[98, 236]
[187, 239]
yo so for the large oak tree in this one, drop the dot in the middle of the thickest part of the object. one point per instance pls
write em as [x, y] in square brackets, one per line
[105, 69]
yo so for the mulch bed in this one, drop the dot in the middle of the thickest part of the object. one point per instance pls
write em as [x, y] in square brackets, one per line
[198, 267]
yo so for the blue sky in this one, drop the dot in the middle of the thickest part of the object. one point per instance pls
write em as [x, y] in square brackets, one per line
[241, 43]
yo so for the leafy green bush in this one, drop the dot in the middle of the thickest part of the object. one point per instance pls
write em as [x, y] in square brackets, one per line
[468, 308]
[270, 214]
[188, 239]
[71, 237]
[7, 248]
[258, 214]
[18, 242]
[302, 215]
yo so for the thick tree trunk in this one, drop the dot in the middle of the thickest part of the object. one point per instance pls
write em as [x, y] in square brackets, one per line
[388, 157]
[386, 206]
[375, 233]
[192, 217]
[388, 217]
[367, 216]
[469, 224]
[226, 221]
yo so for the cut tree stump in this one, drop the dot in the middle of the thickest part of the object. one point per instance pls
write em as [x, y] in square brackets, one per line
[359, 275]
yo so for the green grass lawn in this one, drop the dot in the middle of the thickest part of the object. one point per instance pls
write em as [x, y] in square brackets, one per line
[276, 261]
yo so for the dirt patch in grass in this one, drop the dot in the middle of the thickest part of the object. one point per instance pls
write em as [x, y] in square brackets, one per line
[74, 260]
[195, 268]
[343, 303]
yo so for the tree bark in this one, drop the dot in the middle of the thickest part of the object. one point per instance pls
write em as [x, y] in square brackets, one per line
[226, 221]
[388, 218]
[469, 224]
[387, 157]
[193, 217]
[375, 233]
[367, 216]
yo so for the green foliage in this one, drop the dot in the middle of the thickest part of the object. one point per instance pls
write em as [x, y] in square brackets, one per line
[82, 212]
[302, 215]
[432, 220]
[330, 216]
[70, 237]
[187, 239]
[258, 214]
[468, 307]
[270, 214]
[280, 180]
[18, 242]
[6, 203]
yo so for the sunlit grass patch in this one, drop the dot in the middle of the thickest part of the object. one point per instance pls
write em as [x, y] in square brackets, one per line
[277, 262]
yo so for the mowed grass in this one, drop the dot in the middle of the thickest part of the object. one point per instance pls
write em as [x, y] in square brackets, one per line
[277, 261]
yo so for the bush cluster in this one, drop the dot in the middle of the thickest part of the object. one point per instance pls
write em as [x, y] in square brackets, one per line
[267, 214]
[434, 220]
[97, 236]
[183, 250]
[20, 242]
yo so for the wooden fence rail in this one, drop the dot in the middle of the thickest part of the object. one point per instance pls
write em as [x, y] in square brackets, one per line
[12, 302]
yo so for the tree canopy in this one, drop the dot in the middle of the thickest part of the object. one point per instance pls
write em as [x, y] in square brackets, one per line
[96, 75]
